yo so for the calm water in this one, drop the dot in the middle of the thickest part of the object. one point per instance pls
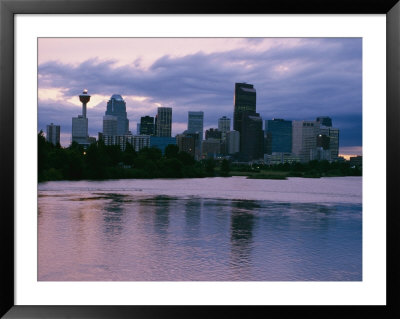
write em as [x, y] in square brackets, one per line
[212, 229]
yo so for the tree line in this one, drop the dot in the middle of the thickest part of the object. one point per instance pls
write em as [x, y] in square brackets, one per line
[100, 161]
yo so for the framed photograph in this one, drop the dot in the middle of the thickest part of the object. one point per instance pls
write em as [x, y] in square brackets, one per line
[176, 159]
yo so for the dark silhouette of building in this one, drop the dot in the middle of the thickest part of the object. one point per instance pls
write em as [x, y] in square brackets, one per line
[146, 125]
[163, 122]
[213, 133]
[186, 143]
[278, 136]
[251, 136]
[325, 121]
[323, 141]
[247, 122]
[244, 100]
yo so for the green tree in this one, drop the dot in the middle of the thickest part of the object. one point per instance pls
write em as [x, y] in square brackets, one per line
[171, 151]
[225, 168]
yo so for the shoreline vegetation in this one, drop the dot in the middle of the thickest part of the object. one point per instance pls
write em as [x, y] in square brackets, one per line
[101, 162]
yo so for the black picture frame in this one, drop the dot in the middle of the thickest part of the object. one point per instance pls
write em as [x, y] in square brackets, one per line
[8, 8]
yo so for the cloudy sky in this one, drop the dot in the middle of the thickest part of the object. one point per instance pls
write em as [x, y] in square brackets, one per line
[295, 79]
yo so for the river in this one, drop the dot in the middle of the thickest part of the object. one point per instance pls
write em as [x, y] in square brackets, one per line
[205, 229]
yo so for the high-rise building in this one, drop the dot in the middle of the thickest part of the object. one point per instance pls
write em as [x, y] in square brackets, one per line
[333, 135]
[116, 106]
[247, 122]
[304, 139]
[224, 124]
[213, 133]
[53, 134]
[211, 147]
[244, 100]
[146, 125]
[278, 136]
[164, 122]
[195, 123]
[325, 121]
[80, 123]
[186, 144]
[110, 124]
[232, 142]
[251, 136]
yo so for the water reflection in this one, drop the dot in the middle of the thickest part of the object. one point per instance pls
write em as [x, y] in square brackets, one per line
[113, 213]
[193, 208]
[242, 224]
[124, 236]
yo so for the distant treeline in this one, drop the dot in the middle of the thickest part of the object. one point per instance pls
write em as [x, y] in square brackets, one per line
[311, 169]
[99, 161]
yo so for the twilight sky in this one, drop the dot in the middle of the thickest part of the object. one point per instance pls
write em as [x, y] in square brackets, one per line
[295, 79]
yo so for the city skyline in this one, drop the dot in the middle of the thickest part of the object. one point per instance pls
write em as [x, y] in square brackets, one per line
[296, 79]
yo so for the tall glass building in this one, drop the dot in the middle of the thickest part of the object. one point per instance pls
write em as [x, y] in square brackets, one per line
[146, 125]
[278, 136]
[110, 124]
[53, 134]
[224, 124]
[195, 123]
[116, 106]
[244, 100]
[164, 122]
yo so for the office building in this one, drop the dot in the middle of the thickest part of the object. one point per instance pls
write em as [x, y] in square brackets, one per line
[186, 144]
[304, 139]
[278, 136]
[53, 134]
[332, 134]
[195, 123]
[251, 137]
[164, 122]
[224, 124]
[146, 126]
[116, 106]
[244, 100]
[80, 123]
[213, 133]
[110, 124]
[232, 142]
[211, 148]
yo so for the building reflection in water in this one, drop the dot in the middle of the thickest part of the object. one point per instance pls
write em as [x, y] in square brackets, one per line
[193, 208]
[242, 225]
[113, 213]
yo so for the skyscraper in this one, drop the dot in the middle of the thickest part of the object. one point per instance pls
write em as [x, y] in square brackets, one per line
[244, 100]
[164, 121]
[251, 136]
[224, 124]
[110, 123]
[232, 142]
[146, 125]
[195, 123]
[80, 123]
[53, 134]
[304, 139]
[278, 136]
[247, 122]
[116, 106]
